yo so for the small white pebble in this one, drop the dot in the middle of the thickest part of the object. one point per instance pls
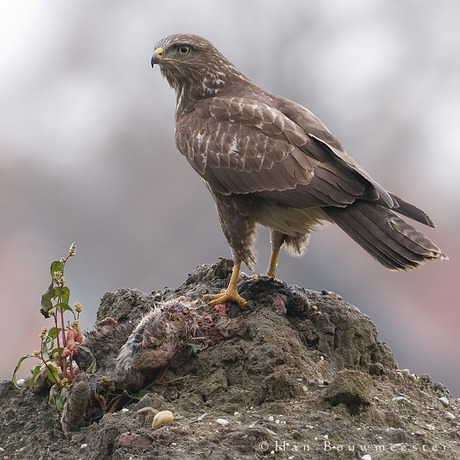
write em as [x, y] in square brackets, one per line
[444, 401]
[405, 371]
[83, 446]
[366, 457]
[162, 417]
[222, 421]
[271, 418]
[2, 449]
[125, 409]
[20, 382]
[430, 427]
[236, 414]
[145, 410]
[450, 416]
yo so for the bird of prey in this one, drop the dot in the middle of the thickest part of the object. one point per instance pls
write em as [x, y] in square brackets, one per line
[268, 160]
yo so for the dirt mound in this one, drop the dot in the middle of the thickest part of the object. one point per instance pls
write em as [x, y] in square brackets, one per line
[303, 376]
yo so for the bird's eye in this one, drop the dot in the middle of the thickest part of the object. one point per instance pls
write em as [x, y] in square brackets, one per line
[183, 50]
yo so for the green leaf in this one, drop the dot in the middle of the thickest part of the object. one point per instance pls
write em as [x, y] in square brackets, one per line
[53, 332]
[18, 365]
[56, 266]
[44, 348]
[46, 303]
[65, 294]
[52, 373]
[63, 306]
[35, 373]
[137, 395]
[60, 400]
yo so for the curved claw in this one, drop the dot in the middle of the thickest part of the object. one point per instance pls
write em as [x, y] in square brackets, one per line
[225, 296]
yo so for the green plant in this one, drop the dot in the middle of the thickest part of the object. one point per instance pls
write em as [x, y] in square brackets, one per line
[59, 343]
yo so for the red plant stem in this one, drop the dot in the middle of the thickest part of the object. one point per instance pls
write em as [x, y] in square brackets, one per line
[58, 344]
[64, 342]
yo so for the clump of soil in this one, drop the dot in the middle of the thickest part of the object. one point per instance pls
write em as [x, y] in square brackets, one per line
[304, 377]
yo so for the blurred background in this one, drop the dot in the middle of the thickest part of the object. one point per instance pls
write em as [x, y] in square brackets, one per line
[87, 153]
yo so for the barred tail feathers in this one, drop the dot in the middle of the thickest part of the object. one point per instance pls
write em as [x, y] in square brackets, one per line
[385, 236]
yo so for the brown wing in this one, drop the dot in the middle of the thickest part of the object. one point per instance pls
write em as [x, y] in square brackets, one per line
[244, 145]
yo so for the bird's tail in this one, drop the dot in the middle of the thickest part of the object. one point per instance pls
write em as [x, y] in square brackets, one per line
[385, 236]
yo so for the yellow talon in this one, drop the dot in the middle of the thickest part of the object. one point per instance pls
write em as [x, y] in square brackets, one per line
[227, 295]
[231, 293]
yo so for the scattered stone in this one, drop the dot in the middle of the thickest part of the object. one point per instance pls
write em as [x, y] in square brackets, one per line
[202, 417]
[134, 440]
[352, 388]
[146, 410]
[164, 416]
[222, 421]
[331, 294]
[444, 401]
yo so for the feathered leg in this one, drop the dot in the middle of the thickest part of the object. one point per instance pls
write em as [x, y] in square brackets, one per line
[277, 240]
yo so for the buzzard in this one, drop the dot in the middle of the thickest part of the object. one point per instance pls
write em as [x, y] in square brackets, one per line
[268, 160]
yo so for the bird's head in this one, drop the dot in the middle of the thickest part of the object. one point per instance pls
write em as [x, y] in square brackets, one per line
[192, 62]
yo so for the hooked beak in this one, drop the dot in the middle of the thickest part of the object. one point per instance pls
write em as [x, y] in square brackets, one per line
[157, 56]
